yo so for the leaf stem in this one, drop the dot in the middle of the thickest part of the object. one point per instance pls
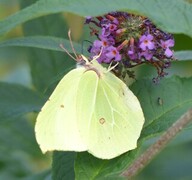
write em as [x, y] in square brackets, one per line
[154, 149]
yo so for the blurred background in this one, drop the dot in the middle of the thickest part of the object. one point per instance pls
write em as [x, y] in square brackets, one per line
[20, 157]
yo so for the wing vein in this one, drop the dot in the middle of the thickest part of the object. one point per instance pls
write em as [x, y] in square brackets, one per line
[112, 109]
[111, 89]
[94, 102]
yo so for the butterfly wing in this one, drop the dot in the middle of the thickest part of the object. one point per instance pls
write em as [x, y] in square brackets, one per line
[110, 117]
[56, 126]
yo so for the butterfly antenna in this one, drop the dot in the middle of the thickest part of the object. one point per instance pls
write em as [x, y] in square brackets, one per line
[111, 68]
[96, 57]
[62, 47]
[84, 58]
[73, 49]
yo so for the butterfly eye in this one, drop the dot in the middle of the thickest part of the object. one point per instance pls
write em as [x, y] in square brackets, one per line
[82, 62]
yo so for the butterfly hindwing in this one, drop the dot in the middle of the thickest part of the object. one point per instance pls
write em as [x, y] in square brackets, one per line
[108, 122]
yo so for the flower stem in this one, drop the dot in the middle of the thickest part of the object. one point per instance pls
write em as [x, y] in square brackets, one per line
[154, 149]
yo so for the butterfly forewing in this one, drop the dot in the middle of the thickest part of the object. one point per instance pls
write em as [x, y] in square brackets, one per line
[56, 127]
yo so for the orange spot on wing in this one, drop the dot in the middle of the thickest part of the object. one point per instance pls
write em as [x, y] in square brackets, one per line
[102, 121]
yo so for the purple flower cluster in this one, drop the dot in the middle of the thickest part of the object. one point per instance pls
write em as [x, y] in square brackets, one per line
[130, 40]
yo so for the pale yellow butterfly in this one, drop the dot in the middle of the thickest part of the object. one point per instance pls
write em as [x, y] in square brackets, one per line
[90, 110]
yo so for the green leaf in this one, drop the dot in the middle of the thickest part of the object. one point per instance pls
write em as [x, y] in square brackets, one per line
[158, 11]
[183, 55]
[17, 100]
[176, 99]
[44, 64]
[22, 137]
[63, 165]
[89, 167]
[45, 175]
[14, 164]
[43, 42]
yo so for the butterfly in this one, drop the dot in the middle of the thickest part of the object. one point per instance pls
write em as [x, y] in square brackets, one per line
[90, 110]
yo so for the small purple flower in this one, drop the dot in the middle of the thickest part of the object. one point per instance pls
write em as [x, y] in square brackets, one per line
[111, 40]
[97, 44]
[88, 19]
[102, 57]
[147, 55]
[96, 51]
[104, 22]
[108, 41]
[104, 42]
[112, 27]
[132, 54]
[146, 42]
[113, 53]
[165, 45]
[105, 32]
[115, 21]
[96, 48]
[168, 52]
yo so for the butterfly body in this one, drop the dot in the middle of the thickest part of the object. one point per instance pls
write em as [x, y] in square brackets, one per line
[90, 110]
